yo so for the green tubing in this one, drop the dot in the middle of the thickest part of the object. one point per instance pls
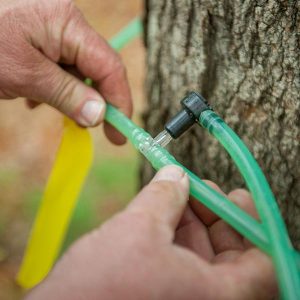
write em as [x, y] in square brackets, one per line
[281, 250]
[122, 38]
[160, 157]
[131, 31]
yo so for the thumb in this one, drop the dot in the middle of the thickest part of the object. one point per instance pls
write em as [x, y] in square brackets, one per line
[65, 92]
[165, 198]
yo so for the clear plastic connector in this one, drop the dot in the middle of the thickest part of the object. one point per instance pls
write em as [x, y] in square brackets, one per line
[163, 138]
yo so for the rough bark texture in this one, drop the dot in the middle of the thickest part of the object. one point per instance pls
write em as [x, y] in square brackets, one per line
[243, 56]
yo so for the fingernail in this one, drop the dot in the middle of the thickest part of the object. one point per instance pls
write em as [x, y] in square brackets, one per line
[169, 173]
[91, 112]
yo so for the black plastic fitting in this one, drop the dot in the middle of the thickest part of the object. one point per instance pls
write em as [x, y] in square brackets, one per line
[193, 105]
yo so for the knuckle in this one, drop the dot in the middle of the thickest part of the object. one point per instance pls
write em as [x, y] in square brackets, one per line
[240, 194]
[212, 184]
[91, 39]
[115, 65]
[64, 92]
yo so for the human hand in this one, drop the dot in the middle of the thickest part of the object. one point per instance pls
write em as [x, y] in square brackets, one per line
[160, 248]
[37, 37]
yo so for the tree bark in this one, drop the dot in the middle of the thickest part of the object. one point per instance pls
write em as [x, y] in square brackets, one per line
[243, 57]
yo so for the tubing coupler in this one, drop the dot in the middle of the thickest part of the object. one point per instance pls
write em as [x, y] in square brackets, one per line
[193, 105]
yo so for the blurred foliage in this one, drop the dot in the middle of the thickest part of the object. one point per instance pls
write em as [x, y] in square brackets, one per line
[111, 185]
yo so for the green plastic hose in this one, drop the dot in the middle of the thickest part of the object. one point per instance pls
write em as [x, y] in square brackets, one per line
[131, 31]
[160, 157]
[281, 249]
[220, 205]
[122, 38]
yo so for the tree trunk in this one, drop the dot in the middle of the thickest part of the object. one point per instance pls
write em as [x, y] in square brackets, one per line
[243, 57]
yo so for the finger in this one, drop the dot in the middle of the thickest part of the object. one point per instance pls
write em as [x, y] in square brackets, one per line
[58, 88]
[164, 199]
[223, 236]
[200, 210]
[255, 274]
[192, 234]
[243, 199]
[95, 59]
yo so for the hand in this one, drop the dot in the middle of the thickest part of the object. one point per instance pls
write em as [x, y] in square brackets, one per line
[38, 37]
[160, 248]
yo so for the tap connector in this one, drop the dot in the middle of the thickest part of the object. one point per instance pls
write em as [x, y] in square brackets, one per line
[193, 105]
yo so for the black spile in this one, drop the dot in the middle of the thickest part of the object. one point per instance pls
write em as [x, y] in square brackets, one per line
[193, 105]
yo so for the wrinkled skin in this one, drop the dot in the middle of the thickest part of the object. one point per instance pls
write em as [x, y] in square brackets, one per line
[37, 38]
[161, 248]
